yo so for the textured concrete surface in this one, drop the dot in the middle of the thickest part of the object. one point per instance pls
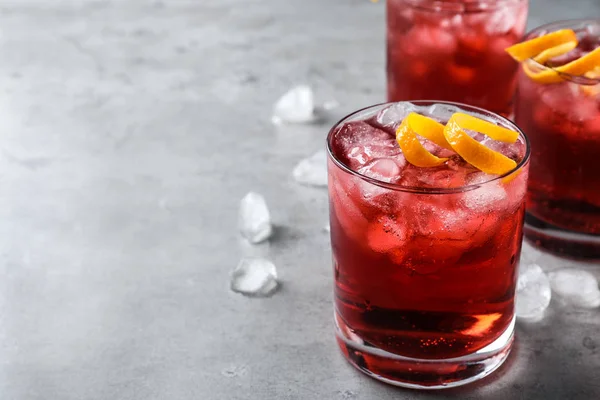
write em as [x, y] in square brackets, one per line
[129, 132]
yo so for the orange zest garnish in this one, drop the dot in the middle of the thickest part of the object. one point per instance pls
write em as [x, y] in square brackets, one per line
[429, 129]
[453, 137]
[546, 47]
[555, 51]
[414, 152]
[487, 128]
[476, 154]
[546, 76]
[593, 74]
[579, 67]
[531, 48]
[508, 179]
[582, 65]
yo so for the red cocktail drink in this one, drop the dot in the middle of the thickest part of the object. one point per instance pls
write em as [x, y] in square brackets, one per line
[562, 121]
[425, 259]
[453, 50]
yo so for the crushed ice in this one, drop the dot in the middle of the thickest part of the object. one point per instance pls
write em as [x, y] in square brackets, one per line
[254, 218]
[576, 287]
[533, 293]
[298, 106]
[312, 171]
[254, 277]
[295, 106]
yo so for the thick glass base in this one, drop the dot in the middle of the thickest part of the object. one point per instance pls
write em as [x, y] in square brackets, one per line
[417, 373]
[559, 241]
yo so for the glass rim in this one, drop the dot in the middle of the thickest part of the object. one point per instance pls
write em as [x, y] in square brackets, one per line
[428, 190]
[453, 6]
[554, 26]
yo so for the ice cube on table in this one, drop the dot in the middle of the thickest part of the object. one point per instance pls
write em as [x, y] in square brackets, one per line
[576, 287]
[533, 293]
[254, 277]
[330, 105]
[295, 106]
[254, 218]
[312, 171]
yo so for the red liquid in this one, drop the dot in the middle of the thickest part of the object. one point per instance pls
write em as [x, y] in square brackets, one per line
[562, 122]
[456, 54]
[427, 276]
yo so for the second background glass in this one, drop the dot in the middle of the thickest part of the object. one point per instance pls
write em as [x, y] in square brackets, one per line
[454, 51]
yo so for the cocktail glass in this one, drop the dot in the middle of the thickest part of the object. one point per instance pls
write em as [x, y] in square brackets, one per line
[562, 121]
[453, 50]
[425, 259]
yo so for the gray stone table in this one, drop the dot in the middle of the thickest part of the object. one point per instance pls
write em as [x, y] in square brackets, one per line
[130, 130]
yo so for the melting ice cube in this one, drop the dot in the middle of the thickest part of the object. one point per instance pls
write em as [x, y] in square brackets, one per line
[330, 105]
[505, 19]
[392, 116]
[386, 233]
[362, 154]
[533, 292]
[576, 287]
[442, 112]
[511, 150]
[383, 169]
[255, 219]
[254, 277]
[296, 106]
[488, 196]
[313, 170]
[424, 38]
